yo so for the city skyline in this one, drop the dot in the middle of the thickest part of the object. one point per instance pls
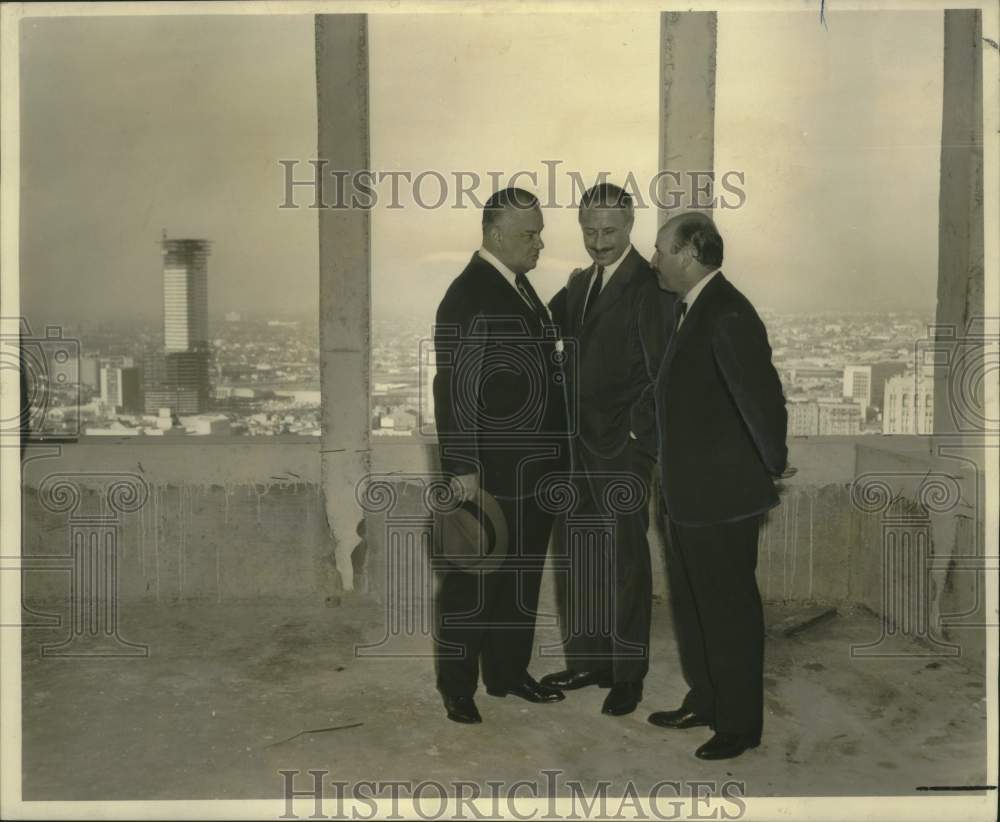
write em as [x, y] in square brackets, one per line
[265, 375]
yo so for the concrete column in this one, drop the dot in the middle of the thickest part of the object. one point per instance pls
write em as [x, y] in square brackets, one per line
[344, 279]
[960, 227]
[687, 110]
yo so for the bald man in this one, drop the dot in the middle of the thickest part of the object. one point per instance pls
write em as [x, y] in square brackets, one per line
[722, 426]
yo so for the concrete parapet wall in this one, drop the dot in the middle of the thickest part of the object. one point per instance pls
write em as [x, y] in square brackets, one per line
[225, 520]
[218, 521]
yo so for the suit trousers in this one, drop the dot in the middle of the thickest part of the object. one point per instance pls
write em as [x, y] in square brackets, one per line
[490, 617]
[719, 621]
[603, 574]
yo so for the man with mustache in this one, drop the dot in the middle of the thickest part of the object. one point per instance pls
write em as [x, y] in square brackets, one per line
[619, 319]
[722, 422]
[500, 409]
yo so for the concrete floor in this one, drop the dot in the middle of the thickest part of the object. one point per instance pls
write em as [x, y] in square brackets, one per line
[206, 715]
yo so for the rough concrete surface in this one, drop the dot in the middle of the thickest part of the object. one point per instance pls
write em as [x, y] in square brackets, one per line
[206, 715]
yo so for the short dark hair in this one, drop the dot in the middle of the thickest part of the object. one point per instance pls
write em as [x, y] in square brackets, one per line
[606, 195]
[506, 198]
[699, 231]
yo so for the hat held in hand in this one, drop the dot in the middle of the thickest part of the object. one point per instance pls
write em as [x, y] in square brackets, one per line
[473, 535]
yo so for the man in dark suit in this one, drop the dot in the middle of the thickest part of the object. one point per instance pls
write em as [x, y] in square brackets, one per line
[722, 424]
[618, 317]
[499, 405]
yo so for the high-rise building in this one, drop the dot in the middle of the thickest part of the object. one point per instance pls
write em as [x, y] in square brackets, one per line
[185, 294]
[865, 384]
[881, 372]
[858, 384]
[178, 377]
[909, 404]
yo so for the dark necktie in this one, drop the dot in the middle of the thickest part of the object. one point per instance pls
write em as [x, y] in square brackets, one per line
[595, 289]
[680, 308]
[531, 297]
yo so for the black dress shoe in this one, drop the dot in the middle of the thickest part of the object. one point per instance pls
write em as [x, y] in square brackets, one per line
[530, 690]
[462, 709]
[571, 680]
[680, 719]
[726, 746]
[623, 698]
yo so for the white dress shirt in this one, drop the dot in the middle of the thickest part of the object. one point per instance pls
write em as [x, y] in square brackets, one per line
[508, 275]
[511, 278]
[692, 295]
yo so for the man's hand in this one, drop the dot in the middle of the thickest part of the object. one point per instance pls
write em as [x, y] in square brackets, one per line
[790, 471]
[633, 436]
[465, 486]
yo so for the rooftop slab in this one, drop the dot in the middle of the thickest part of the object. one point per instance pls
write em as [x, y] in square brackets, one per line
[221, 703]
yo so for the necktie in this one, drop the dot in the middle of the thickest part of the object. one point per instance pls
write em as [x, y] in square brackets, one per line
[531, 297]
[680, 309]
[595, 289]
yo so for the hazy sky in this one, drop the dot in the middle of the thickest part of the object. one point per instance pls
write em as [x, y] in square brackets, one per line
[131, 125]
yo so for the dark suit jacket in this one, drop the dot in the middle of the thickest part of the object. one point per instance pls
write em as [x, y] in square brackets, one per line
[721, 412]
[618, 351]
[499, 395]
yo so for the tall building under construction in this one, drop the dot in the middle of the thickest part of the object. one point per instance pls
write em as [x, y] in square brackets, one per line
[185, 294]
[178, 377]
